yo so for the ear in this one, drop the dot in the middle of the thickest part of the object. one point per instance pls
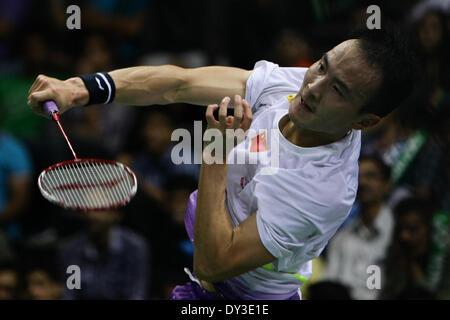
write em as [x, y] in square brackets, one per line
[367, 121]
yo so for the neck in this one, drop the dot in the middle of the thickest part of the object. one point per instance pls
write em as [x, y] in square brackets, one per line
[369, 213]
[306, 138]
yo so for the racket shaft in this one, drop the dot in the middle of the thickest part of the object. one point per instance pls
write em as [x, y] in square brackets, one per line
[52, 110]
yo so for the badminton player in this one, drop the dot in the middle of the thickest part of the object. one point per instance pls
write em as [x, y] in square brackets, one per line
[255, 234]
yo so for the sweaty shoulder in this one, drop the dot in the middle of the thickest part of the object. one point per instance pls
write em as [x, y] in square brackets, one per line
[269, 82]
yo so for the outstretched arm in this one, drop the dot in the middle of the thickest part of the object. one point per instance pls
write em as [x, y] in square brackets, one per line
[146, 85]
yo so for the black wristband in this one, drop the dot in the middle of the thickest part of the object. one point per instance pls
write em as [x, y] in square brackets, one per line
[101, 87]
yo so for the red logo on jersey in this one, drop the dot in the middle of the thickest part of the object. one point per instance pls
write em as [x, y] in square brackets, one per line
[259, 143]
[244, 182]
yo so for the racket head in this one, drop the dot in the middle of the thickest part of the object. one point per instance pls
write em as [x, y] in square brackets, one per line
[88, 184]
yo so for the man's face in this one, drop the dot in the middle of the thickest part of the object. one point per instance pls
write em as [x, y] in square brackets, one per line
[334, 90]
[372, 186]
[412, 233]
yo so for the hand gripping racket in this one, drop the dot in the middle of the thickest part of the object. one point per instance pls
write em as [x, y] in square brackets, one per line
[86, 184]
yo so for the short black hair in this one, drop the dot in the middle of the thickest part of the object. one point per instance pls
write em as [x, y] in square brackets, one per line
[412, 204]
[382, 166]
[391, 53]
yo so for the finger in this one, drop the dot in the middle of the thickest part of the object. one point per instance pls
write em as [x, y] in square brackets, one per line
[39, 86]
[238, 113]
[33, 86]
[223, 110]
[37, 82]
[248, 116]
[210, 115]
[41, 83]
[36, 98]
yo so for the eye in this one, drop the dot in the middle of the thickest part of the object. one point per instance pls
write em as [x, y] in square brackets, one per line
[321, 67]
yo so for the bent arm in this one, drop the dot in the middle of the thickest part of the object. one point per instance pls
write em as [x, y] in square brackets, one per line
[221, 251]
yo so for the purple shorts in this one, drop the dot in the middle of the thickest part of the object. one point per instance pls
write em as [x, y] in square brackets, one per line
[192, 290]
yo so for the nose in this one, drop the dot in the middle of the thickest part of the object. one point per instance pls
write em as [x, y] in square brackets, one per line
[315, 88]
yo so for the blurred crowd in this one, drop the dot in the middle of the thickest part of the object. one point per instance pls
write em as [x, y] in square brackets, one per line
[399, 223]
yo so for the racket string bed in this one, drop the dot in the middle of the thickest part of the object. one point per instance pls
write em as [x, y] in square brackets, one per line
[74, 177]
[85, 184]
[88, 184]
[113, 194]
[60, 192]
[123, 178]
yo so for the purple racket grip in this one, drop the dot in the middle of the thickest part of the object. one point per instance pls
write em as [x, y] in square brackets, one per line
[50, 107]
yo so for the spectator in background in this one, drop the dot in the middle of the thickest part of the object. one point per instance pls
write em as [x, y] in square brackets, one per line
[37, 52]
[430, 180]
[179, 189]
[33, 54]
[125, 19]
[433, 46]
[391, 140]
[396, 137]
[95, 128]
[292, 50]
[430, 175]
[364, 241]
[42, 284]
[15, 183]
[386, 140]
[114, 261]
[96, 54]
[155, 210]
[153, 164]
[9, 282]
[407, 263]
[177, 252]
[13, 15]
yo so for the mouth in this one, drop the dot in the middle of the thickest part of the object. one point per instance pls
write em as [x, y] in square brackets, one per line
[305, 105]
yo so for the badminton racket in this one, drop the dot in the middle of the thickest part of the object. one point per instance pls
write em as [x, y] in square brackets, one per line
[85, 184]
